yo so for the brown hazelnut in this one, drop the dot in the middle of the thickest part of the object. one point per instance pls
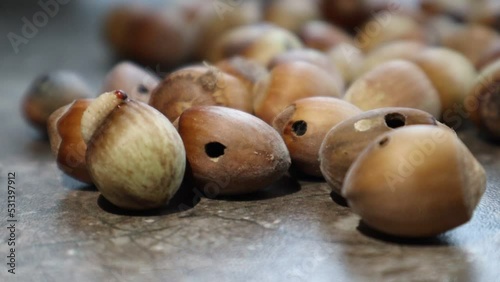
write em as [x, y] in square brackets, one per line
[453, 82]
[483, 102]
[48, 93]
[216, 18]
[322, 35]
[199, 85]
[134, 155]
[396, 83]
[489, 56]
[343, 143]
[396, 50]
[473, 41]
[291, 14]
[259, 42]
[288, 82]
[311, 56]
[152, 36]
[347, 14]
[247, 71]
[66, 140]
[304, 124]
[348, 59]
[387, 28]
[393, 184]
[132, 79]
[231, 152]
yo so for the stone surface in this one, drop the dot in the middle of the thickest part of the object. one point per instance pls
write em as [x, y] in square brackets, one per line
[290, 232]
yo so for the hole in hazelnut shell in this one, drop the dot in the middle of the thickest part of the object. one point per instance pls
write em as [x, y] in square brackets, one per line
[299, 127]
[214, 149]
[395, 120]
[142, 89]
[383, 142]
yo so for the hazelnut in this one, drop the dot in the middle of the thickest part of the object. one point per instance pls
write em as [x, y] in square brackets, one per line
[483, 102]
[66, 140]
[343, 143]
[453, 8]
[288, 82]
[322, 35]
[393, 185]
[396, 83]
[473, 41]
[224, 158]
[132, 79]
[311, 56]
[216, 18]
[134, 155]
[453, 82]
[348, 59]
[48, 93]
[304, 124]
[489, 56]
[247, 71]
[199, 85]
[347, 14]
[387, 28]
[291, 14]
[259, 42]
[152, 36]
[396, 50]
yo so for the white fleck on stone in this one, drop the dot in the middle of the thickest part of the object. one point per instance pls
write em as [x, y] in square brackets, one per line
[70, 252]
[149, 220]
[363, 125]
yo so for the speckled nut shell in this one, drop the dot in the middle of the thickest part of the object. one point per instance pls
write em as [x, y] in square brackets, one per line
[231, 152]
[304, 124]
[134, 155]
[394, 187]
[343, 143]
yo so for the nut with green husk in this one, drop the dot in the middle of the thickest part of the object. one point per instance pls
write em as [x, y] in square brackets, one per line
[393, 184]
[134, 154]
[231, 151]
[48, 93]
[343, 143]
[304, 124]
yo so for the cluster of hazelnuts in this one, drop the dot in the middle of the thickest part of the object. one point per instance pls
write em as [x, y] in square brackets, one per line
[268, 98]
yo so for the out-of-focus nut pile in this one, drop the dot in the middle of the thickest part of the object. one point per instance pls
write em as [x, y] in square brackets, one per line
[363, 93]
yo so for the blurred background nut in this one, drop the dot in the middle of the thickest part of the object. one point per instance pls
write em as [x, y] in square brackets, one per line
[322, 35]
[304, 124]
[483, 102]
[48, 93]
[288, 82]
[231, 152]
[291, 14]
[199, 85]
[246, 70]
[393, 184]
[453, 82]
[260, 42]
[348, 59]
[131, 78]
[396, 83]
[149, 35]
[66, 140]
[344, 142]
[394, 50]
[314, 57]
